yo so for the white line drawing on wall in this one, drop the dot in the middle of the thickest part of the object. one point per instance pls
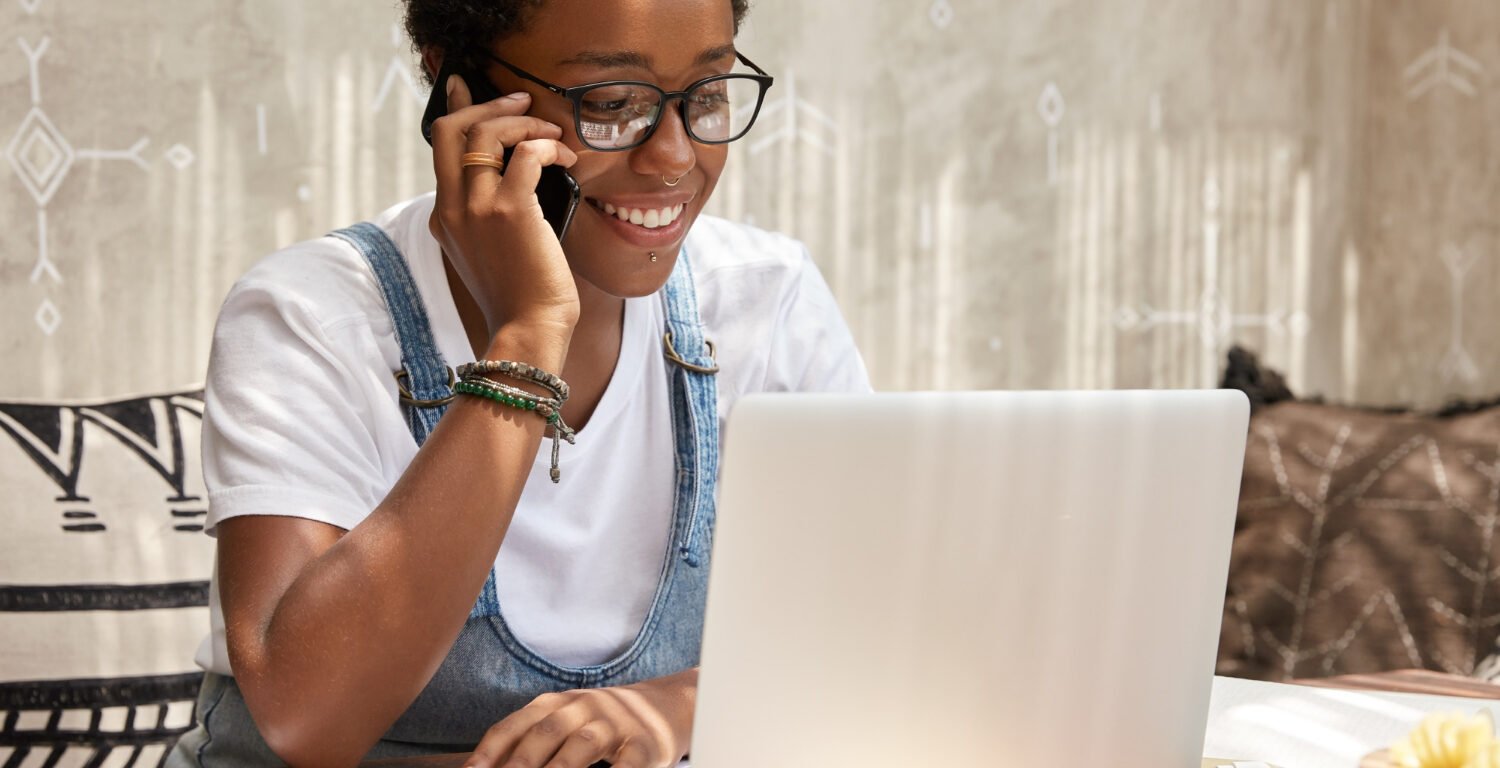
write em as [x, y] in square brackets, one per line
[44, 263]
[43, 157]
[47, 317]
[34, 55]
[1457, 363]
[179, 156]
[260, 129]
[398, 71]
[1051, 106]
[30, 6]
[941, 14]
[1442, 65]
[1214, 319]
[793, 109]
[925, 226]
[133, 154]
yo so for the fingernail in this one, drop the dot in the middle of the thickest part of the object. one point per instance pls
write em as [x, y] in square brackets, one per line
[448, 87]
[518, 96]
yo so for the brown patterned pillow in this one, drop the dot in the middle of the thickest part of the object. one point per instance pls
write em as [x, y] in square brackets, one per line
[1366, 541]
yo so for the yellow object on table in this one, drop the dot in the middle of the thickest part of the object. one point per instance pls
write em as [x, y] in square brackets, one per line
[1446, 740]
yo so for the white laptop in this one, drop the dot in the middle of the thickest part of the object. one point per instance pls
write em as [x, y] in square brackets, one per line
[969, 579]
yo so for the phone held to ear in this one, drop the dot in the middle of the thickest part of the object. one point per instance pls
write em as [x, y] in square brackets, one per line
[557, 192]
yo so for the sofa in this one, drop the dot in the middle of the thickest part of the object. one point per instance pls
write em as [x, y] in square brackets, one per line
[103, 579]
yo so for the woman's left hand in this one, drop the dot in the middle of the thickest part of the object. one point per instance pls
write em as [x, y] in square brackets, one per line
[646, 725]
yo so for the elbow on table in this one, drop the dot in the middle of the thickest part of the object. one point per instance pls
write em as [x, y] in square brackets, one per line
[302, 741]
[307, 730]
[300, 716]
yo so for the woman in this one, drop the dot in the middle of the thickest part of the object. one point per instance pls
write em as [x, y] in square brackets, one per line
[366, 549]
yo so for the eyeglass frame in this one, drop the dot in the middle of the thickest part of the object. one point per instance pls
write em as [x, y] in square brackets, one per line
[575, 96]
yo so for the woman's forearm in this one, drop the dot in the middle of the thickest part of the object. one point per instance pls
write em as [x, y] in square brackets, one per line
[329, 644]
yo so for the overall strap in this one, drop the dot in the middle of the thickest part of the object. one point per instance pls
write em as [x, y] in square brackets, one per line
[424, 381]
[696, 402]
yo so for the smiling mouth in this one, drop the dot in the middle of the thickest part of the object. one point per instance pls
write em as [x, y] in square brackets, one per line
[646, 218]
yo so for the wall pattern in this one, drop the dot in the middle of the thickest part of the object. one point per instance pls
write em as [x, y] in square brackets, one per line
[1055, 194]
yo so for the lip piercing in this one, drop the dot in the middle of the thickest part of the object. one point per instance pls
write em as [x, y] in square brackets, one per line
[653, 257]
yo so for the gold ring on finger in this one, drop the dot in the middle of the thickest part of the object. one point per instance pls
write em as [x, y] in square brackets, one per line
[485, 159]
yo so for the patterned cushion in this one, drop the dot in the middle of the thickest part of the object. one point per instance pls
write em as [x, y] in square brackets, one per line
[103, 579]
[1366, 541]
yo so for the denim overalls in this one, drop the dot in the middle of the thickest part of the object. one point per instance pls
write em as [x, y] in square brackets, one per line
[488, 673]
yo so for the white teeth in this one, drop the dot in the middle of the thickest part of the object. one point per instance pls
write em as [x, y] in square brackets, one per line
[647, 218]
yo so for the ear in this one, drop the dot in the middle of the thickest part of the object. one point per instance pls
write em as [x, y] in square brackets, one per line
[432, 61]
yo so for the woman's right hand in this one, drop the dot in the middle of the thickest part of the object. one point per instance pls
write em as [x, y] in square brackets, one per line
[489, 221]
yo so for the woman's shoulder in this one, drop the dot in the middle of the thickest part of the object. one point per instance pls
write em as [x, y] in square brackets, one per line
[325, 279]
[716, 244]
[765, 303]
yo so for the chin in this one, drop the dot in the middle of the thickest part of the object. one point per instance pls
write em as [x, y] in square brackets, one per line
[615, 266]
[629, 277]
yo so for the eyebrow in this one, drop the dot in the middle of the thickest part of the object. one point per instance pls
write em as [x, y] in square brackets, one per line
[634, 59]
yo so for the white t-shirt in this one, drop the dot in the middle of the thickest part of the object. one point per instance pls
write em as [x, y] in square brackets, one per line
[303, 420]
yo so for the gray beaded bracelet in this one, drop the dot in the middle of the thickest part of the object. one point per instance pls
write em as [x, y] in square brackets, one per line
[519, 371]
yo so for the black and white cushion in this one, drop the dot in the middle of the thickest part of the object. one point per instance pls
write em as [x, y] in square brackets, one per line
[103, 579]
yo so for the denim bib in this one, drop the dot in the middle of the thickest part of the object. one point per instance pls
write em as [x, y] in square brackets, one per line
[488, 673]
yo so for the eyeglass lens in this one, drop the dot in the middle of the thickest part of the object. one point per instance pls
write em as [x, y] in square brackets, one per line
[620, 116]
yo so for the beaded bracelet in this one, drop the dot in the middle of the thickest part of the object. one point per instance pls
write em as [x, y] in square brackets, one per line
[473, 375]
[549, 409]
[519, 371]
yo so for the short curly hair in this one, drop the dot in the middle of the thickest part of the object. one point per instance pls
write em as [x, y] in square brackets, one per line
[463, 26]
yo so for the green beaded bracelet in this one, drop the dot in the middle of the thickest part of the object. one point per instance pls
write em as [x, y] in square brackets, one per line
[549, 409]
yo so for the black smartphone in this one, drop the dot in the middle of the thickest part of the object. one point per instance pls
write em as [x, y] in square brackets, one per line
[557, 192]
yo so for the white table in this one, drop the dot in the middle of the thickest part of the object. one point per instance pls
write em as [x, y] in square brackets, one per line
[1296, 726]
[1299, 726]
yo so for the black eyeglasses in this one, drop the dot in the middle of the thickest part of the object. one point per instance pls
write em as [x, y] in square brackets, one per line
[622, 114]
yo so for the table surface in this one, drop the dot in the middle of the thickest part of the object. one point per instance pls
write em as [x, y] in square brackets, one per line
[1331, 722]
[1336, 722]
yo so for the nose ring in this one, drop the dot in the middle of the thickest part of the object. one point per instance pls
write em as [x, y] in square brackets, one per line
[671, 183]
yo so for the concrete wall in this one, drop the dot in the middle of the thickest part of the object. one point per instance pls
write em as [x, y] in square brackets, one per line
[1033, 194]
